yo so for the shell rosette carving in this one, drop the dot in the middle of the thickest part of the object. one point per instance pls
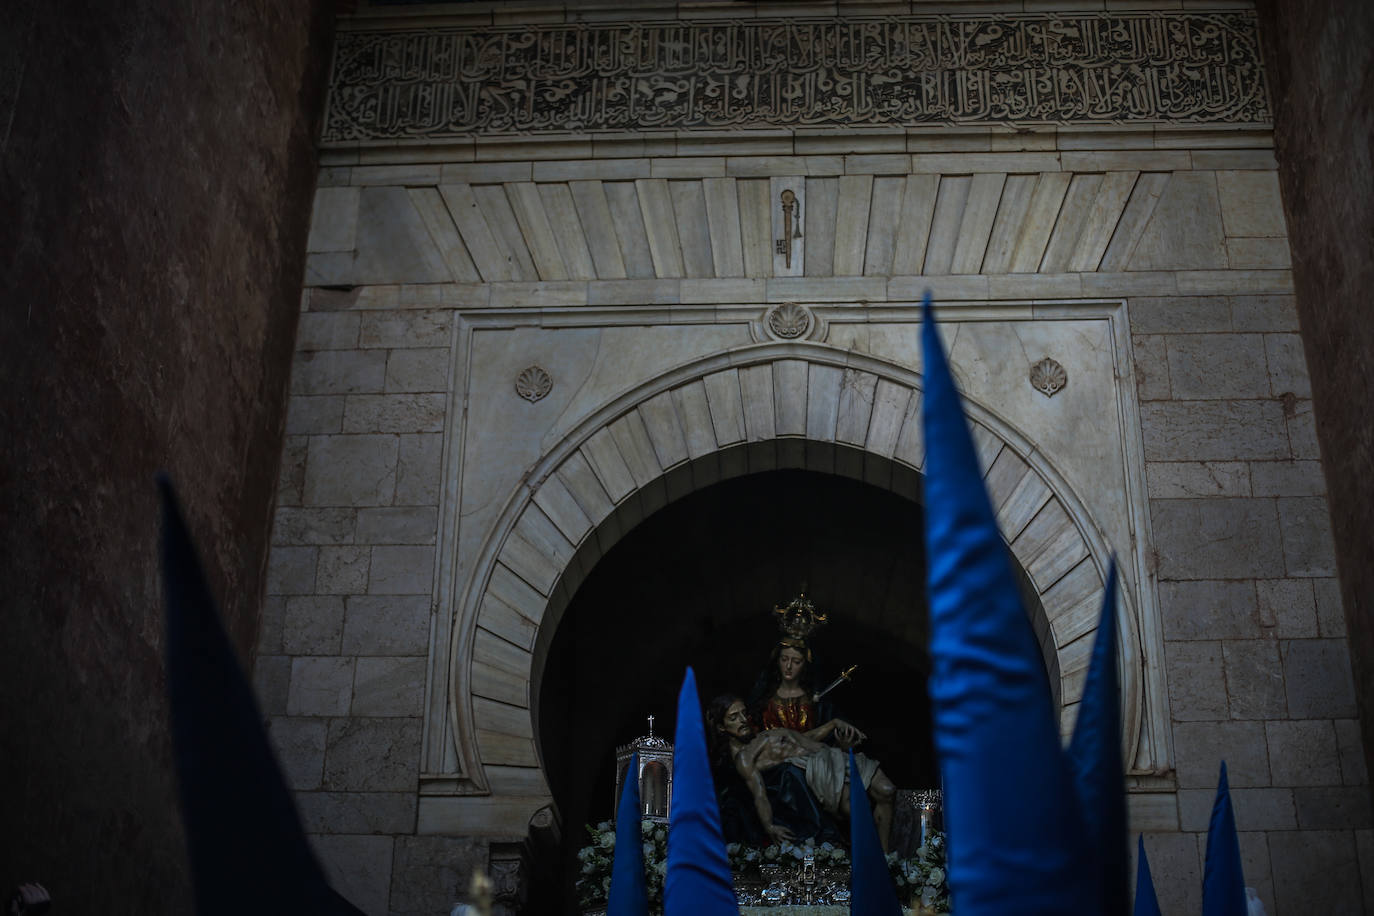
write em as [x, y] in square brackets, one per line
[533, 384]
[1048, 377]
[789, 320]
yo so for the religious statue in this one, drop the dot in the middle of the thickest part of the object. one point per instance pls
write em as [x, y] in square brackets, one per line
[784, 695]
[825, 769]
[792, 772]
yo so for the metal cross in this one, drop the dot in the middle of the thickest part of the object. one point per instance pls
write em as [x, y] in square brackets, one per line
[651, 726]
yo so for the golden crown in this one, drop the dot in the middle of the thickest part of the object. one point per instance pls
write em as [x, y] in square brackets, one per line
[798, 620]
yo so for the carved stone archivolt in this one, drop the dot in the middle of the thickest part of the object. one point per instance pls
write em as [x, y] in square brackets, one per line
[1048, 377]
[1038, 68]
[533, 384]
[789, 320]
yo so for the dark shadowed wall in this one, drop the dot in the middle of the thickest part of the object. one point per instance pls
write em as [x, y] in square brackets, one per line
[1321, 63]
[156, 172]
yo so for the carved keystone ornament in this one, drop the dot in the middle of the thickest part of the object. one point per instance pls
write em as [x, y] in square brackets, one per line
[1048, 377]
[533, 383]
[789, 320]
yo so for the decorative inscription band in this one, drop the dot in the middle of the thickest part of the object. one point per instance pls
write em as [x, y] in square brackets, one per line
[907, 71]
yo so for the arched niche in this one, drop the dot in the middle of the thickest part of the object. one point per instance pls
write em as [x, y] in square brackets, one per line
[693, 584]
[805, 405]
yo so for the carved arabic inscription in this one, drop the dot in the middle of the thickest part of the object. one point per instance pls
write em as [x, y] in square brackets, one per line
[1021, 69]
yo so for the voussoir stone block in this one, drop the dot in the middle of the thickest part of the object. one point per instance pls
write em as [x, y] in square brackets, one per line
[1185, 231]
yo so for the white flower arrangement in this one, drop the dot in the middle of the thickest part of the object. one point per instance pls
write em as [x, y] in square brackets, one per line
[921, 879]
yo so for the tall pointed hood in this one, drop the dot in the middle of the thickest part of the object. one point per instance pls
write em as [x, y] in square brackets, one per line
[1095, 753]
[1223, 882]
[698, 882]
[629, 893]
[1015, 834]
[247, 849]
[870, 885]
[1146, 903]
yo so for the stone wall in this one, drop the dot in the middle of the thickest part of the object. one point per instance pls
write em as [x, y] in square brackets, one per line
[1323, 74]
[437, 272]
[156, 165]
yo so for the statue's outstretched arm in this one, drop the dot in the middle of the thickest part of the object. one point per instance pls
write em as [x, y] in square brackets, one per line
[746, 763]
[846, 735]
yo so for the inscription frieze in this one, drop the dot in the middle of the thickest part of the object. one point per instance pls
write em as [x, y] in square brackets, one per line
[902, 71]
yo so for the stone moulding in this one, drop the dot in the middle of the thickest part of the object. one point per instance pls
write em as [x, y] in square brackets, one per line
[458, 714]
[1029, 69]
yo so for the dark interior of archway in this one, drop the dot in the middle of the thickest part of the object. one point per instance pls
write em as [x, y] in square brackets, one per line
[694, 584]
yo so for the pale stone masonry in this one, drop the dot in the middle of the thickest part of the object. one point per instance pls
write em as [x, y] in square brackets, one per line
[416, 505]
[1259, 672]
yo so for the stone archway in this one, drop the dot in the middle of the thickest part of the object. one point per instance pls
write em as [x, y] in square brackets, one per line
[696, 425]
